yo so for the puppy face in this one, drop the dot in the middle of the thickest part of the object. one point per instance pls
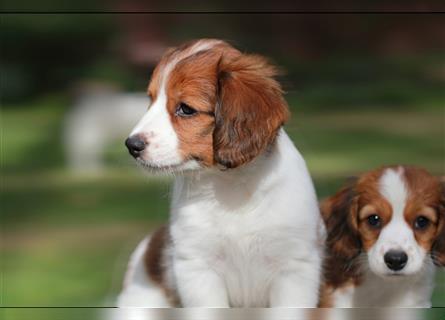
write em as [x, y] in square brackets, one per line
[211, 105]
[395, 215]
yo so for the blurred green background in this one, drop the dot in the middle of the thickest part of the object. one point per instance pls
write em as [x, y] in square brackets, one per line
[365, 90]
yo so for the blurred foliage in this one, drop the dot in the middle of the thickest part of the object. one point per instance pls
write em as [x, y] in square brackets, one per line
[363, 82]
[41, 53]
[346, 59]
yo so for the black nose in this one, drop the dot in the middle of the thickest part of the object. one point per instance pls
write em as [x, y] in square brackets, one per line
[135, 145]
[395, 260]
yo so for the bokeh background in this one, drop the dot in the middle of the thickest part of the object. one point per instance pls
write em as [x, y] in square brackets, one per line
[365, 90]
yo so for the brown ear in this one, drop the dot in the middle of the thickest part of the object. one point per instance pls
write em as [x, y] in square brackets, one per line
[438, 249]
[343, 241]
[249, 111]
[340, 216]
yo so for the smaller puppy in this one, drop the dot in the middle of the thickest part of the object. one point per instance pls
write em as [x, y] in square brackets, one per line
[385, 234]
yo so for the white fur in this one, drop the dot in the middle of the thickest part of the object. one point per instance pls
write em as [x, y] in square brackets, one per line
[410, 287]
[162, 150]
[156, 127]
[397, 292]
[139, 290]
[397, 234]
[246, 237]
[344, 297]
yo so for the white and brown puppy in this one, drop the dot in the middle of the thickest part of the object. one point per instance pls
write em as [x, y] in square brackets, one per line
[386, 231]
[244, 215]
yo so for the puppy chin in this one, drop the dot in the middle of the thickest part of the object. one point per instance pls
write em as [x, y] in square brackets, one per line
[159, 168]
[389, 274]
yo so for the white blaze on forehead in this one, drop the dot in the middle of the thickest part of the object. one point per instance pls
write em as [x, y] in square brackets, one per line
[396, 234]
[156, 116]
[393, 188]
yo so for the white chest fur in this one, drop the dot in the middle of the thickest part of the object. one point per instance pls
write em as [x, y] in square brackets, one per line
[248, 236]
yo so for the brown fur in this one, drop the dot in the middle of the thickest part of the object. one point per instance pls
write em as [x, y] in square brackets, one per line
[326, 293]
[427, 199]
[438, 247]
[154, 262]
[343, 242]
[250, 109]
[153, 256]
[345, 216]
[240, 105]
[193, 81]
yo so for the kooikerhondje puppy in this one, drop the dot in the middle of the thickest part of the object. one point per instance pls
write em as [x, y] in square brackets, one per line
[386, 231]
[244, 218]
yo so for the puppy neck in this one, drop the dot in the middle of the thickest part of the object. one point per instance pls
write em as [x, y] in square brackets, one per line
[281, 165]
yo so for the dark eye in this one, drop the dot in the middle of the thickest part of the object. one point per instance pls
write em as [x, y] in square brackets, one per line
[374, 221]
[184, 110]
[421, 222]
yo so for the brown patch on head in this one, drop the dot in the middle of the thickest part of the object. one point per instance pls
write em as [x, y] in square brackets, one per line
[239, 105]
[438, 247]
[170, 58]
[426, 200]
[371, 202]
[194, 82]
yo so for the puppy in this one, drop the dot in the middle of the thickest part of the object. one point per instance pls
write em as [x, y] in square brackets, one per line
[385, 233]
[244, 215]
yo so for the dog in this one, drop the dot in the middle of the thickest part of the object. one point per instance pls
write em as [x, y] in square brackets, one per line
[244, 220]
[385, 234]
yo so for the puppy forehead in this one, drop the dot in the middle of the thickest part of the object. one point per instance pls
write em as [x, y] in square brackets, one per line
[393, 188]
[387, 190]
[404, 188]
[171, 59]
[173, 56]
[423, 186]
[410, 185]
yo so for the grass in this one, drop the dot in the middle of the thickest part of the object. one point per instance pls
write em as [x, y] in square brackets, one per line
[66, 239]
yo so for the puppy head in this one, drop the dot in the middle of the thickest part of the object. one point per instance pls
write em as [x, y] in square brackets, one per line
[211, 105]
[395, 215]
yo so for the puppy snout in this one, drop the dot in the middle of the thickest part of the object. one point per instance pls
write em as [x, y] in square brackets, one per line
[395, 259]
[135, 145]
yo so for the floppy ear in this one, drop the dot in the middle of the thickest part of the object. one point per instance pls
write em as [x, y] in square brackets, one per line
[343, 241]
[438, 249]
[250, 109]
